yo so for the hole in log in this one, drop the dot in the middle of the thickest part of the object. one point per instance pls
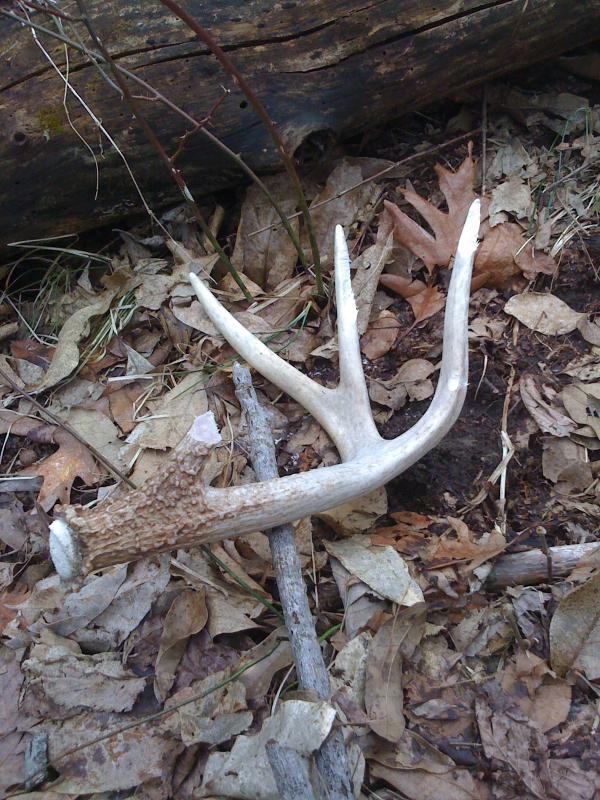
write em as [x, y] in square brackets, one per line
[19, 137]
[244, 104]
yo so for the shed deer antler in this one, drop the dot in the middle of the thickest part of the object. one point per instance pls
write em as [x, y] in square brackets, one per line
[174, 509]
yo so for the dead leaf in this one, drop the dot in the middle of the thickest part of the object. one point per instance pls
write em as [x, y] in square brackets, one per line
[381, 568]
[421, 772]
[511, 739]
[298, 724]
[73, 681]
[541, 697]
[543, 313]
[358, 515]
[119, 762]
[513, 196]
[66, 354]
[216, 716]
[71, 460]
[380, 336]
[268, 257]
[186, 616]
[368, 267]
[575, 631]
[395, 640]
[483, 631]
[548, 416]
[346, 206]
[173, 414]
[437, 250]
[504, 254]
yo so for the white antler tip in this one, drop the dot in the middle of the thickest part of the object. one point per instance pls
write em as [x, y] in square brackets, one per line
[204, 429]
[63, 550]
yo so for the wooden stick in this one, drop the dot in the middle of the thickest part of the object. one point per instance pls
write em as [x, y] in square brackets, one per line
[331, 760]
[531, 566]
[290, 771]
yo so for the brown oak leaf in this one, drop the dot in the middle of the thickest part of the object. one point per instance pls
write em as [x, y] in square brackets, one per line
[503, 253]
[437, 250]
[59, 470]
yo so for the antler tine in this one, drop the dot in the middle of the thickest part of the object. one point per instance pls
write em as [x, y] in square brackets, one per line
[315, 398]
[174, 509]
[354, 407]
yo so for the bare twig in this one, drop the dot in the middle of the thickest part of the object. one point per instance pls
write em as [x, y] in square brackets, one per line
[308, 658]
[290, 771]
[156, 95]
[286, 159]
[167, 161]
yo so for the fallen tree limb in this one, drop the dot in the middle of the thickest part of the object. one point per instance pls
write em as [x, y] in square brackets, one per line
[311, 671]
[533, 566]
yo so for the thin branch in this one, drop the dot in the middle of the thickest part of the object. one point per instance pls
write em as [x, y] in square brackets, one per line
[311, 670]
[154, 141]
[286, 159]
[161, 98]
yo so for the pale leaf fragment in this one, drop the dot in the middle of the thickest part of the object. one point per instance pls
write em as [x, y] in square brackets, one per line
[298, 724]
[381, 568]
[357, 515]
[575, 631]
[543, 313]
[268, 257]
[174, 414]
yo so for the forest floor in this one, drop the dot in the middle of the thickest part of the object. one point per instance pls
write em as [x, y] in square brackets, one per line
[456, 673]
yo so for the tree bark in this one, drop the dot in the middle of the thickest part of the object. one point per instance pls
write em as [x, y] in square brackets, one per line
[317, 65]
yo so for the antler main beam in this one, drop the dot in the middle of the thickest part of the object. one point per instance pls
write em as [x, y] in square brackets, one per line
[174, 509]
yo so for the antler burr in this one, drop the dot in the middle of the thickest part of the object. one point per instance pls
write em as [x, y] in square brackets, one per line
[174, 509]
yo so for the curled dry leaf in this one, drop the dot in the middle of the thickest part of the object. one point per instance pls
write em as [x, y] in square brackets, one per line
[543, 313]
[188, 615]
[575, 631]
[368, 267]
[66, 354]
[548, 416]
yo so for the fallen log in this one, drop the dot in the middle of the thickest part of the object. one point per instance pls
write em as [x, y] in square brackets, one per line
[535, 566]
[317, 65]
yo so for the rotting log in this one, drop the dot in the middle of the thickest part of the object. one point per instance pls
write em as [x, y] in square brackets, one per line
[317, 65]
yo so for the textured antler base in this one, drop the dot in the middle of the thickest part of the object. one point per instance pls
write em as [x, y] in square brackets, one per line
[175, 509]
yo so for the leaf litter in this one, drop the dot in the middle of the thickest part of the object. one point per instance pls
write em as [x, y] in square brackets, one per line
[444, 688]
